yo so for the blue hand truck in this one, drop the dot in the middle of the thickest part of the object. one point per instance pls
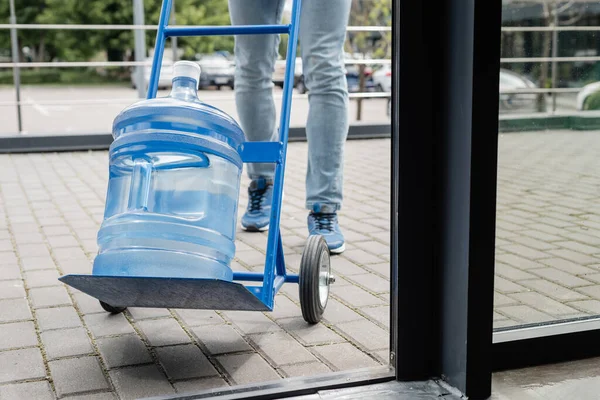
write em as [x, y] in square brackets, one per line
[116, 293]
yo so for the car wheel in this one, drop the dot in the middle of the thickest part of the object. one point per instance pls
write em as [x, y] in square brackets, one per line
[301, 87]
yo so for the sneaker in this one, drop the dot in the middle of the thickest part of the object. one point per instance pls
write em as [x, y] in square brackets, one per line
[326, 225]
[258, 212]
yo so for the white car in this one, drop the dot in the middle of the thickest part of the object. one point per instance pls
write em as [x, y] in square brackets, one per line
[512, 81]
[382, 78]
[586, 92]
[279, 74]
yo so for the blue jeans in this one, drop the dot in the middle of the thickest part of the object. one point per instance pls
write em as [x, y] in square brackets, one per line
[322, 33]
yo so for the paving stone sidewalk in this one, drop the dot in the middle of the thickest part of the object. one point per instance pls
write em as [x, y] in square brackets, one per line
[56, 342]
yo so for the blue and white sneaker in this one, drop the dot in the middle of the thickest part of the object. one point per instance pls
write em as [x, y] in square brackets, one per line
[326, 225]
[258, 212]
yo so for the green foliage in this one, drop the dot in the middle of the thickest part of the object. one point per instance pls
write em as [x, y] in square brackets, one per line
[371, 13]
[592, 102]
[53, 76]
[80, 45]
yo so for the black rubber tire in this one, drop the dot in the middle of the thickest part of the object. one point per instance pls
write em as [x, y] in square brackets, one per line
[111, 309]
[308, 285]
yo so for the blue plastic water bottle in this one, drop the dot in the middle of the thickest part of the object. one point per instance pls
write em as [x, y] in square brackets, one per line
[173, 189]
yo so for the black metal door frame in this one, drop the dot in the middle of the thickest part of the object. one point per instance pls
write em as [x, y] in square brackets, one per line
[446, 57]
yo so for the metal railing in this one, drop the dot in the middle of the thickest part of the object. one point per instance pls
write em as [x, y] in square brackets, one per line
[554, 28]
[141, 28]
[139, 49]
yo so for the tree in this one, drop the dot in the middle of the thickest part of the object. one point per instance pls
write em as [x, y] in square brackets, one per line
[78, 45]
[41, 42]
[373, 44]
[554, 13]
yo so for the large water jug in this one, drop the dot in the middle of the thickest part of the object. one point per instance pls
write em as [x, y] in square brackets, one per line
[174, 178]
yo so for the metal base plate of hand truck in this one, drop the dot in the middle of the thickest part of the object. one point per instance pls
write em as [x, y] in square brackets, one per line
[156, 292]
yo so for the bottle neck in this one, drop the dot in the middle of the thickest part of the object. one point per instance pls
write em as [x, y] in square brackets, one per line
[184, 89]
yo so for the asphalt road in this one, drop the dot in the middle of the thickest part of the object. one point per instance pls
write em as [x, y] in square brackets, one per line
[77, 110]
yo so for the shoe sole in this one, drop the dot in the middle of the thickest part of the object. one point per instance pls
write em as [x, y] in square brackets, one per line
[255, 229]
[338, 250]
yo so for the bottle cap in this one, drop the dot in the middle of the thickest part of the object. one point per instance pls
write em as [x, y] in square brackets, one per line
[188, 69]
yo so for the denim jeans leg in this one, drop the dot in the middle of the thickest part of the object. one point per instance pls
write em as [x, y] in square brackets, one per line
[255, 57]
[322, 36]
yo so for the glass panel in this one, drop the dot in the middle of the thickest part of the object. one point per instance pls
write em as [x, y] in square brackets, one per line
[52, 205]
[548, 219]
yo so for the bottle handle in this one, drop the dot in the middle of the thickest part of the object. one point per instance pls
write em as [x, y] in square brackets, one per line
[139, 190]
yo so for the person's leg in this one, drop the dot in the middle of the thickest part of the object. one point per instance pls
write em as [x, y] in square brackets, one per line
[322, 36]
[255, 57]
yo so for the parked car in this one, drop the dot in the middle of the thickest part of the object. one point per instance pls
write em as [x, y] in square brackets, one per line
[165, 77]
[585, 93]
[279, 73]
[382, 78]
[352, 78]
[512, 81]
[216, 70]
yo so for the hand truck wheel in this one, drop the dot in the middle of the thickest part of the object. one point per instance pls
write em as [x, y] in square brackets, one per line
[111, 309]
[315, 278]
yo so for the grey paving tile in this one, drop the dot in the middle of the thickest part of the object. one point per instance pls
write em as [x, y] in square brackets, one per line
[371, 282]
[7, 258]
[284, 308]
[308, 334]
[69, 253]
[518, 261]
[590, 306]
[35, 263]
[41, 278]
[379, 314]
[575, 256]
[199, 317]
[185, 362]
[560, 277]
[361, 257]
[10, 272]
[140, 382]
[336, 312]
[307, 369]
[125, 350]
[366, 334]
[66, 343]
[12, 289]
[568, 266]
[24, 364]
[281, 349]
[220, 339]
[58, 241]
[14, 310]
[26, 391]
[512, 273]
[87, 304]
[197, 385]
[139, 313]
[544, 303]
[354, 296]
[344, 356]
[49, 297]
[163, 332]
[249, 323]
[33, 250]
[17, 334]
[247, 368]
[524, 314]
[94, 396]
[57, 318]
[108, 324]
[554, 290]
